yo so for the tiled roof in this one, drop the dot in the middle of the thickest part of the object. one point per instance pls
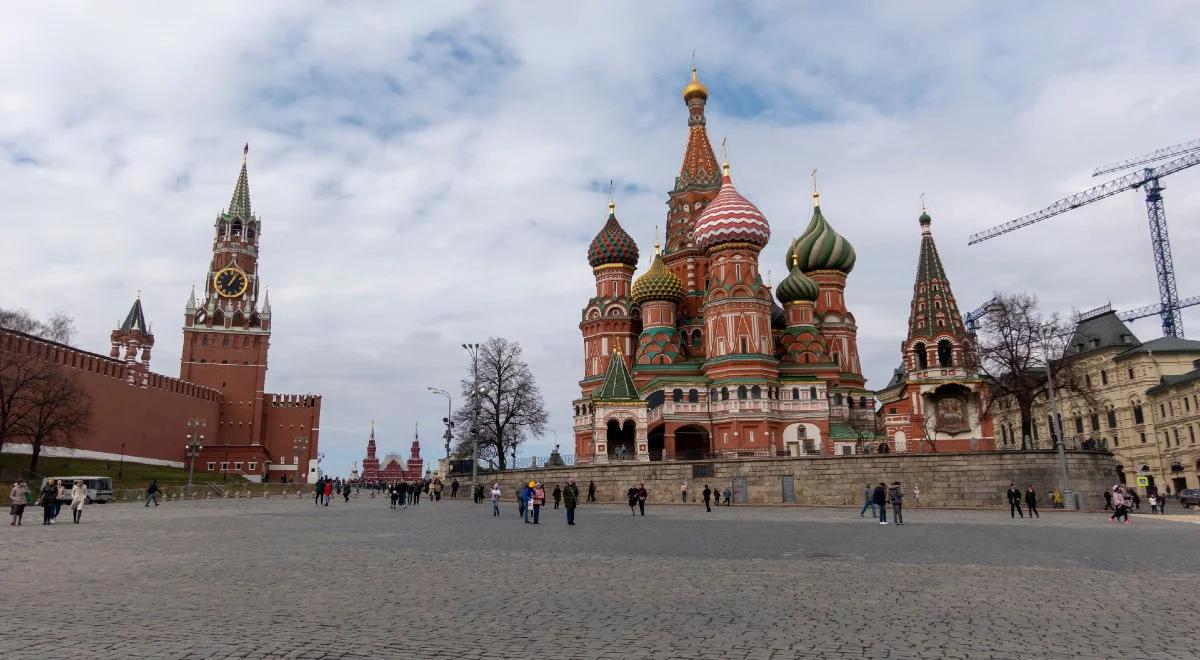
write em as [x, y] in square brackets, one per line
[1168, 381]
[1101, 331]
[135, 319]
[618, 383]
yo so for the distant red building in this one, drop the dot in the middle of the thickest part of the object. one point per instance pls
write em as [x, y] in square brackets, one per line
[392, 467]
[141, 416]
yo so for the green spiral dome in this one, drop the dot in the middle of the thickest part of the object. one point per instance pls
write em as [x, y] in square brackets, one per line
[797, 287]
[821, 248]
[658, 283]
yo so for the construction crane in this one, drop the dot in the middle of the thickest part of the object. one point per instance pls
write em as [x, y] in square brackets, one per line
[971, 318]
[1188, 155]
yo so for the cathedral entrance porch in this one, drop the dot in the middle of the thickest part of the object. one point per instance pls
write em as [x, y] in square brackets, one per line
[621, 440]
[692, 443]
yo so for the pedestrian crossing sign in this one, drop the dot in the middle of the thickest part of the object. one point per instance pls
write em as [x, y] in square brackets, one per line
[1143, 481]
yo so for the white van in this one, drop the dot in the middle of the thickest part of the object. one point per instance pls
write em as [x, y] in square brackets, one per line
[99, 489]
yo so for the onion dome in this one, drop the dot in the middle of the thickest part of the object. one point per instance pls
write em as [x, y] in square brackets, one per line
[820, 247]
[731, 218]
[695, 89]
[612, 245]
[658, 283]
[797, 287]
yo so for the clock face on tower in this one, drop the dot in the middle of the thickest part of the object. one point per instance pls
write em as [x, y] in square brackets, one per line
[230, 282]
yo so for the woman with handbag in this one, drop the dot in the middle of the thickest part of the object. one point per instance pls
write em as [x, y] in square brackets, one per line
[48, 500]
[78, 499]
[17, 494]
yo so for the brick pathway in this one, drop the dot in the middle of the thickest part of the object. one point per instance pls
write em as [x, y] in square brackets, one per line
[280, 578]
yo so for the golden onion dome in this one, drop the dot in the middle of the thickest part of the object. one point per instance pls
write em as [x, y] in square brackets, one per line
[695, 88]
[657, 283]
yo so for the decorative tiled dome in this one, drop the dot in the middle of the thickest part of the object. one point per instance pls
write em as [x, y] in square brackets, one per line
[731, 218]
[658, 283]
[821, 248]
[797, 287]
[612, 245]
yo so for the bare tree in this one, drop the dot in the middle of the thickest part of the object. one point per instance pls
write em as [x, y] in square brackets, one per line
[20, 376]
[510, 406]
[1016, 343]
[929, 428]
[59, 410]
[58, 328]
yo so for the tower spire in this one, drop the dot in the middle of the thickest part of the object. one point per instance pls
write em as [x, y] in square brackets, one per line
[816, 193]
[239, 204]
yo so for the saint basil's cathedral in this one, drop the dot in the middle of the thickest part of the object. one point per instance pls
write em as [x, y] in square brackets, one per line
[696, 359]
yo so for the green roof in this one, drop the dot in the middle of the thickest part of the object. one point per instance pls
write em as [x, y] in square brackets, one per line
[618, 383]
[847, 432]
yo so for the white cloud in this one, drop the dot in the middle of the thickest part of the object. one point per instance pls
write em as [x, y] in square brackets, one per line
[425, 172]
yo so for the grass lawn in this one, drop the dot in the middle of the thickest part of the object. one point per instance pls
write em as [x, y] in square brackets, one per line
[132, 475]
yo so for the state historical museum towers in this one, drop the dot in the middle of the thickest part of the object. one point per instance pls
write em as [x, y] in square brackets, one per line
[694, 358]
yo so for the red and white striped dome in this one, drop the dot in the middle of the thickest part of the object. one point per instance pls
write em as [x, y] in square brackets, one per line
[731, 218]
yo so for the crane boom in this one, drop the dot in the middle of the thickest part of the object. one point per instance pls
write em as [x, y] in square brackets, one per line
[1128, 182]
[1154, 310]
[1158, 154]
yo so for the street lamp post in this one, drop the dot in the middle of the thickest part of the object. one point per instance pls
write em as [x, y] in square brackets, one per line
[195, 443]
[473, 350]
[447, 420]
[1064, 478]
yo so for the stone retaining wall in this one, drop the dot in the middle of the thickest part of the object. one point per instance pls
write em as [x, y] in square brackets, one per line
[975, 479]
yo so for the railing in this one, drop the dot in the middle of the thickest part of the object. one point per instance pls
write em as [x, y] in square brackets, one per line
[211, 491]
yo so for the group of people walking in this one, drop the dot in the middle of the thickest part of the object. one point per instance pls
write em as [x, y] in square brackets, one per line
[1015, 498]
[877, 497]
[531, 498]
[51, 498]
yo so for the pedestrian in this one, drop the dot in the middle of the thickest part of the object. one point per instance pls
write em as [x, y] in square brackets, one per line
[60, 497]
[79, 495]
[642, 495]
[1153, 503]
[1108, 501]
[896, 497]
[728, 495]
[495, 498]
[868, 502]
[1120, 509]
[522, 497]
[879, 497]
[477, 493]
[557, 496]
[1058, 501]
[319, 489]
[539, 501]
[632, 495]
[152, 493]
[18, 496]
[591, 491]
[454, 488]
[1014, 501]
[402, 494]
[527, 495]
[1031, 502]
[571, 500]
[916, 495]
[48, 495]
[707, 494]
[346, 491]
[328, 490]
[394, 493]
[1137, 499]
[683, 492]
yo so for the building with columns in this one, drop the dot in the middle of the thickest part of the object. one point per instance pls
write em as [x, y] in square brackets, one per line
[695, 357]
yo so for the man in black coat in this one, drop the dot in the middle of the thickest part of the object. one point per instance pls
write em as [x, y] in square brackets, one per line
[1014, 501]
[879, 497]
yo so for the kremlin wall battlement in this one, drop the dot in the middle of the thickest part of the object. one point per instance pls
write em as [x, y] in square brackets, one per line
[126, 414]
[976, 479]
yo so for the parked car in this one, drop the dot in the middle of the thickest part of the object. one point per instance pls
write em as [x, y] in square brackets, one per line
[1189, 497]
[100, 489]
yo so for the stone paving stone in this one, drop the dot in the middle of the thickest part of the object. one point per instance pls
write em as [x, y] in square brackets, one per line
[281, 578]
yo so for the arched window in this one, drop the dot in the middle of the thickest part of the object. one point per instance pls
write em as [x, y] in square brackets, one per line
[862, 402]
[693, 396]
[724, 393]
[945, 353]
[696, 338]
[812, 393]
[921, 354]
[235, 230]
[795, 392]
[756, 392]
[850, 402]
[741, 391]
[837, 399]
[677, 395]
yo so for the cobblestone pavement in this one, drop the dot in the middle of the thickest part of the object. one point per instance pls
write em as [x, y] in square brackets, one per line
[281, 578]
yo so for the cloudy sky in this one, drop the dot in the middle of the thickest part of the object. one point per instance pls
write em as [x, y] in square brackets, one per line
[432, 173]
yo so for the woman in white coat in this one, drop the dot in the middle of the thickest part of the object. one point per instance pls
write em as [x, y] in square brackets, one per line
[79, 495]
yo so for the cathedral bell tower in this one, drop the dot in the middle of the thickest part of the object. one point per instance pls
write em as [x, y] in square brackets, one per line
[225, 332]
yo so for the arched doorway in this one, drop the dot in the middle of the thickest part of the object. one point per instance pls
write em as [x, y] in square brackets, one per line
[691, 443]
[656, 442]
[620, 438]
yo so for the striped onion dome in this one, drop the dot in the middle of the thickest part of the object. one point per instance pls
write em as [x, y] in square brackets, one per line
[821, 248]
[658, 283]
[731, 218]
[612, 245]
[796, 287]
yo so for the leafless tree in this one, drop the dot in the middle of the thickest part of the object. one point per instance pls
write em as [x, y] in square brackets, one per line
[20, 376]
[929, 428]
[59, 411]
[510, 406]
[58, 328]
